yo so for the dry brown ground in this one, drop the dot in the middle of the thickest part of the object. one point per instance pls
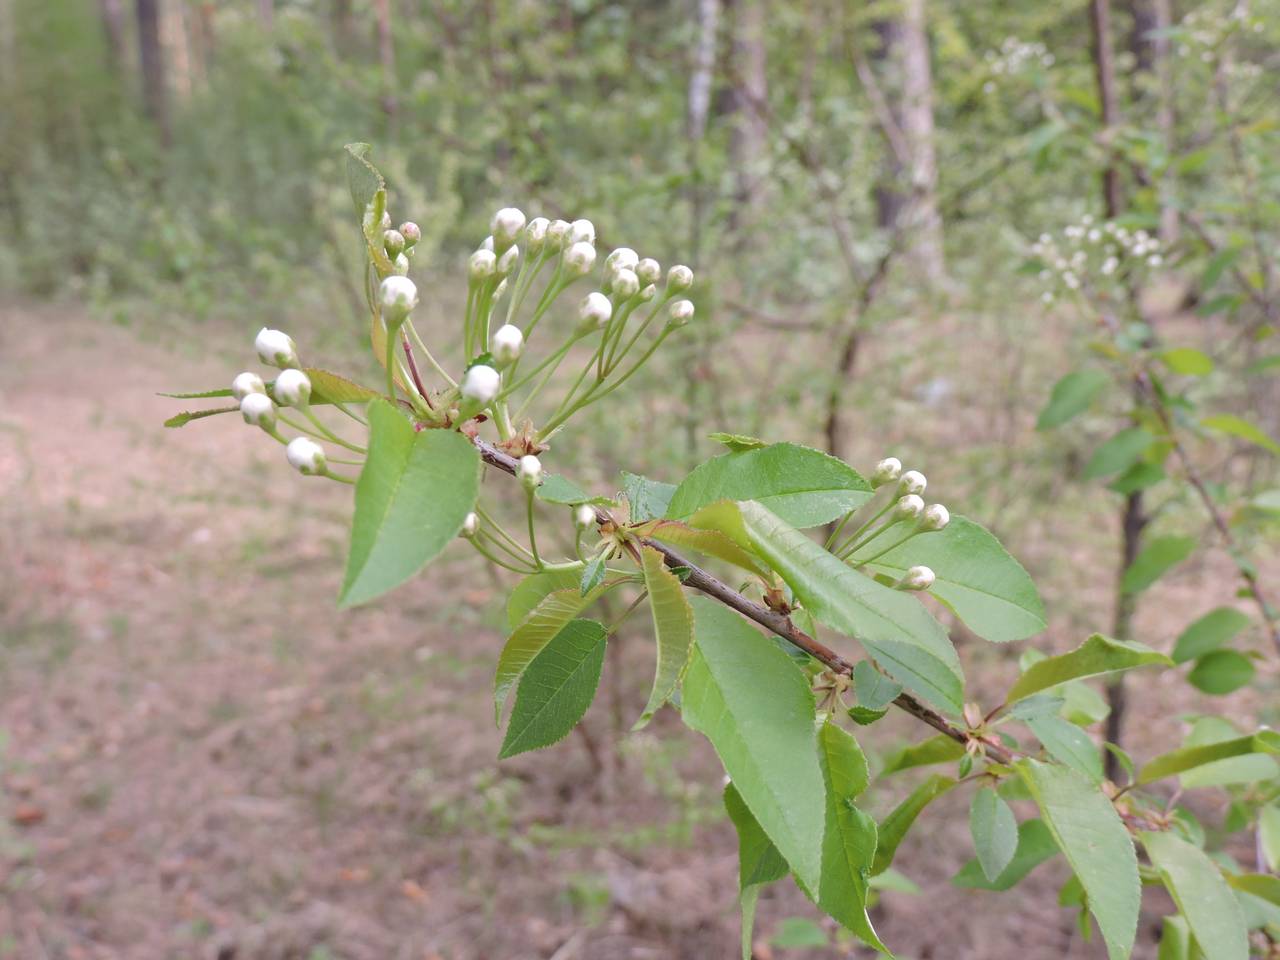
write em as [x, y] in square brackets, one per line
[203, 758]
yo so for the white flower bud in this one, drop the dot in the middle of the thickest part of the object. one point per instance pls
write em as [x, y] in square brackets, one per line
[482, 265]
[558, 234]
[258, 410]
[595, 309]
[487, 244]
[506, 344]
[305, 455]
[887, 470]
[276, 348]
[935, 517]
[584, 516]
[400, 265]
[506, 225]
[623, 258]
[582, 231]
[411, 232]
[529, 471]
[535, 235]
[247, 383]
[909, 507]
[481, 384]
[393, 242]
[913, 481]
[680, 312]
[507, 262]
[916, 578]
[470, 526]
[398, 296]
[386, 219]
[648, 270]
[500, 289]
[292, 388]
[625, 284]
[648, 293]
[579, 259]
[679, 278]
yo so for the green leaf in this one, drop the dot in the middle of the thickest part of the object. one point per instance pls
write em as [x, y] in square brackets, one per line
[557, 688]
[711, 542]
[557, 488]
[894, 827]
[1140, 476]
[198, 394]
[799, 932]
[1160, 555]
[759, 862]
[1175, 940]
[849, 837]
[1096, 844]
[647, 499]
[1208, 633]
[328, 387]
[1119, 453]
[804, 487]
[1220, 672]
[939, 749]
[873, 689]
[413, 495]
[182, 419]
[747, 697]
[543, 623]
[977, 580]
[1094, 657]
[1071, 396]
[1261, 885]
[528, 593]
[895, 629]
[1234, 426]
[1035, 846]
[1269, 834]
[738, 441]
[1202, 895]
[1187, 361]
[1237, 768]
[995, 832]
[1068, 744]
[593, 573]
[363, 177]
[672, 626]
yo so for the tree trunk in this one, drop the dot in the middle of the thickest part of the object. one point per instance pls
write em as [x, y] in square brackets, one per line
[1153, 75]
[749, 140]
[155, 93]
[112, 14]
[906, 198]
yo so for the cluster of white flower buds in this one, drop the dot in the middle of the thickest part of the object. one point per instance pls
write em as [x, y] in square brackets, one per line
[399, 243]
[1203, 32]
[1089, 249]
[1013, 57]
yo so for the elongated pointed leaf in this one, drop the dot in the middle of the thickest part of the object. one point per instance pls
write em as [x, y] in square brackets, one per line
[976, 578]
[556, 689]
[995, 832]
[1234, 426]
[849, 838]
[413, 495]
[759, 862]
[1068, 744]
[1236, 768]
[1159, 556]
[747, 697]
[672, 628]
[873, 689]
[894, 827]
[529, 592]
[1208, 633]
[1071, 396]
[1096, 844]
[1197, 887]
[939, 749]
[547, 619]
[711, 542]
[1035, 846]
[907, 642]
[1094, 657]
[1220, 672]
[647, 499]
[182, 419]
[803, 486]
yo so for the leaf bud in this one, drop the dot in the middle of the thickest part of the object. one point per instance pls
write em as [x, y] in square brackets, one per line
[258, 410]
[393, 242]
[913, 481]
[595, 309]
[247, 383]
[908, 507]
[411, 232]
[648, 270]
[481, 384]
[506, 226]
[470, 526]
[398, 296]
[579, 259]
[935, 517]
[584, 516]
[529, 471]
[305, 455]
[276, 348]
[292, 388]
[680, 312]
[482, 265]
[506, 344]
[916, 578]
[887, 471]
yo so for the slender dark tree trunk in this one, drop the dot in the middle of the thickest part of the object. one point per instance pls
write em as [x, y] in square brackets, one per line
[155, 92]
[1153, 76]
[113, 26]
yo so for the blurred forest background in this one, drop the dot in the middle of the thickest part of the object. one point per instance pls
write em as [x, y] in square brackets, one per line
[890, 207]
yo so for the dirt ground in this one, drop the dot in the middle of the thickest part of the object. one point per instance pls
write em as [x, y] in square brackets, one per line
[201, 757]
